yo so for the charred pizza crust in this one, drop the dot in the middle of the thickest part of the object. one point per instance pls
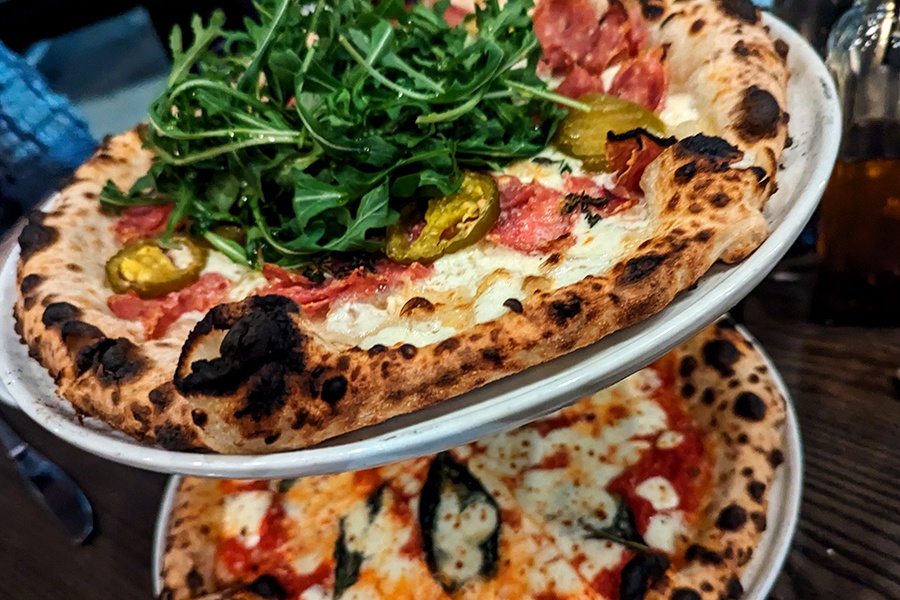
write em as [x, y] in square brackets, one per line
[251, 377]
[723, 383]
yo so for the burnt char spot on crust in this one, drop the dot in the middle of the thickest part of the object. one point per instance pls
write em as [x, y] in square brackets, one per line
[759, 115]
[721, 355]
[756, 490]
[140, 413]
[782, 48]
[688, 365]
[640, 267]
[408, 351]
[80, 329]
[651, 10]
[194, 581]
[697, 25]
[709, 148]
[775, 458]
[704, 555]
[740, 48]
[732, 518]
[29, 283]
[36, 236]
[734, 589]
[377, 349]
[113, 360]
[761, 176]
[493, 355]
[685, 172]
[158, 397]
[720, 200]
[640, 574]
[268, 394]
[264, 338]
[513, 305]
[749, 406]
[448, 345]
[334, 389]
[199, 417]
[685, 594]
[563, 310]
[174, 437]
[743, 10]
[58, 313]
[759, 521]
[267, 586]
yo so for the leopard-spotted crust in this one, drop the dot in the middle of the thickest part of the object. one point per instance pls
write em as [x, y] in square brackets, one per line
[724, 384]
[281, 387]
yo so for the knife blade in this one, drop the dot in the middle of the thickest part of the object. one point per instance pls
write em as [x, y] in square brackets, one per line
[55, 490]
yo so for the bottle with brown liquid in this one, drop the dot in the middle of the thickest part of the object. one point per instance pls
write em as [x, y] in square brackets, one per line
[859, 216]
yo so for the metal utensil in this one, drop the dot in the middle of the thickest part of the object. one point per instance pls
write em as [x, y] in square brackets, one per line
[49, 484]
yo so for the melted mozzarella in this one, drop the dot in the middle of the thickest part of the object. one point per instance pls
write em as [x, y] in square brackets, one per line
[659, 492]
[458, 533]
[244, 281]
[664, 529]
[668, 440]
[609, 74]
[244, 514]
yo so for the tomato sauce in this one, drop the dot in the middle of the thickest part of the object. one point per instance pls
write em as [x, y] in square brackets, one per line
[608, 581]
[687, 466]
[267, 557]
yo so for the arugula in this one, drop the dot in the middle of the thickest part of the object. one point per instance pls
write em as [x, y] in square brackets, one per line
[314, 125]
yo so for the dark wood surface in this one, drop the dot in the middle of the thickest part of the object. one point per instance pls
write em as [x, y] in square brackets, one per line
[847, 544]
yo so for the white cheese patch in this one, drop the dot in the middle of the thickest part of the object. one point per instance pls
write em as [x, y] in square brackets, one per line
[459, 532]
[664, 529]
[316, 592]
[659, 492]
[244, 514]
[355, 319]
[575, 506]
[418, 333]
[555, 573]
[668, 440]
[680, 115]
[609, 74]
[244, 280]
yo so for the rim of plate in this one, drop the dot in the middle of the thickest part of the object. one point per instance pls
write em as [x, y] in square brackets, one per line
[760, 573]
[503, 404]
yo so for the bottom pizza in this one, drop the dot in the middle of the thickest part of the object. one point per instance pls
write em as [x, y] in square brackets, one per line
[654, 488]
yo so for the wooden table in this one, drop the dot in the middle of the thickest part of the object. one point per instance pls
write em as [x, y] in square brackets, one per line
[847, 544]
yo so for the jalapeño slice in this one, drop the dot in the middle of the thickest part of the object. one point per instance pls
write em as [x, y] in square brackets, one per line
[583, 134]
[451, 222]
[150, 270]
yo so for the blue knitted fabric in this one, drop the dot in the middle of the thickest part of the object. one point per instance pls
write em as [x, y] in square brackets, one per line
[42, 136]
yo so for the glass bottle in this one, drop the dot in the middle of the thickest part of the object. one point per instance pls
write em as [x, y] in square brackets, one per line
[858, 244]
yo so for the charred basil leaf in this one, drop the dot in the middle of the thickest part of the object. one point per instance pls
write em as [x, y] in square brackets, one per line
[285, 484]
[584, 202]
[347, 561]
[451, 489]
[622, 530]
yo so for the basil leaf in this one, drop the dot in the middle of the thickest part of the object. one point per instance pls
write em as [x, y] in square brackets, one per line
[450, 487]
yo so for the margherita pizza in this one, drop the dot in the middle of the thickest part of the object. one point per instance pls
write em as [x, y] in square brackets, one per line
[351, 211]
[654, 488]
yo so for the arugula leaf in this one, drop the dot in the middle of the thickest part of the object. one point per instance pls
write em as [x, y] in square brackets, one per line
[315, 124]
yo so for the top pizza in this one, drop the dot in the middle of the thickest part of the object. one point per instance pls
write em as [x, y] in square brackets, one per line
[347, 212]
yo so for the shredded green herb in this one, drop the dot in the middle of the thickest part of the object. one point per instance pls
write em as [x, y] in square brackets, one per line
[314, 125]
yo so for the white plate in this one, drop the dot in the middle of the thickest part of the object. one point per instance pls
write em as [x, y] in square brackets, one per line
[815, 128]
[769, 556]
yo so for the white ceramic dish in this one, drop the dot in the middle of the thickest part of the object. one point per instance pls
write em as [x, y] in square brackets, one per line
[761, 571]
[815, 129]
